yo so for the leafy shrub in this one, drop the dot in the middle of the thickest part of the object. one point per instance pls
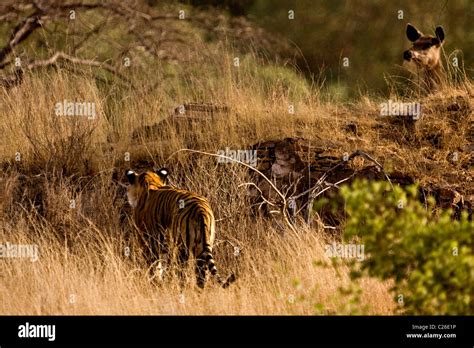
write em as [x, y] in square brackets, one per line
[430, 260]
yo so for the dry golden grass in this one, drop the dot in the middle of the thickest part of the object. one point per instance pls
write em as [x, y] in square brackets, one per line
[95, 278]
[83, 268]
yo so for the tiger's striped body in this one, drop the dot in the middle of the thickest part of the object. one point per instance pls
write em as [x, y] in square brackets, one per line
[174, 221]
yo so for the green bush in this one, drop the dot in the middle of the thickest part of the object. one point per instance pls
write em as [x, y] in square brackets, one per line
[430, 260]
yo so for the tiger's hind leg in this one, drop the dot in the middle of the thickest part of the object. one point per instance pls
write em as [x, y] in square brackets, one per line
[201, 273]
[183, 256]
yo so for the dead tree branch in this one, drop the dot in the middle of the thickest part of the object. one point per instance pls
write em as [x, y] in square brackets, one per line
[282, 206]
[318, 189]
[63, 56]
[33, 14]
[20, 33]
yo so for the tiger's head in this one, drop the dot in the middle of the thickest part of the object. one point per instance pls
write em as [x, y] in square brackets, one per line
[143, 183]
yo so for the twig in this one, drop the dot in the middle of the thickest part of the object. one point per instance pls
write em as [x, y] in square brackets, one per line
[322, 179]
[329, 185]
[20, 33]
[61, 55]
[325, 175]
[259, 190]
[283, 208]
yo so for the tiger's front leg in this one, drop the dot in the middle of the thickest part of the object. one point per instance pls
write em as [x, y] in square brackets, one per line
[156, 251]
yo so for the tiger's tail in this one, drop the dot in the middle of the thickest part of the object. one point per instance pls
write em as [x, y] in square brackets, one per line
[211, 264]
[207, 256]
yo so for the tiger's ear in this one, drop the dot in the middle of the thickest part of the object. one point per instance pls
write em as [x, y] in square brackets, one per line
[131, 176]
[163, 174]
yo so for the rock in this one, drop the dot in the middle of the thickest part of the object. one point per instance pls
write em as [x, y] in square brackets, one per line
[184, 118]
[295, 165]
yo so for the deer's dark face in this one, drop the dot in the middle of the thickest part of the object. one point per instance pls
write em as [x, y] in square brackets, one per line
[426, 49]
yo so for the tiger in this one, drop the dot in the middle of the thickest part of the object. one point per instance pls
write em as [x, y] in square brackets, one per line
[175, 219]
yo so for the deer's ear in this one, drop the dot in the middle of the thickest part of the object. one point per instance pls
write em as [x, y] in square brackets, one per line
[413, 34]
[439, 31]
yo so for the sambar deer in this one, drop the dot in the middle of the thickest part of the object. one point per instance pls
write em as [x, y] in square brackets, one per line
[426, 54]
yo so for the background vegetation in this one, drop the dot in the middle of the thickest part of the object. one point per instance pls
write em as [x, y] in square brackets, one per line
[370, 33]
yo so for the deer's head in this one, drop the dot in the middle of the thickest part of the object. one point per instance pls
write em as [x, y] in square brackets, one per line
[426, 49]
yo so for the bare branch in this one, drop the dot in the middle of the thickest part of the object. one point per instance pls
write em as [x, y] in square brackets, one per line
[284, 204]
[322, 179]
[259, 190]
[20, 33]
[63, 56]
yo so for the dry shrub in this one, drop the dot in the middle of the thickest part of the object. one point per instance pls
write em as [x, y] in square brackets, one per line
[48, 142]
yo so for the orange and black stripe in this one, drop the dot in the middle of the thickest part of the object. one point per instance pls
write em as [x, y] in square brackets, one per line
[182, 220]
